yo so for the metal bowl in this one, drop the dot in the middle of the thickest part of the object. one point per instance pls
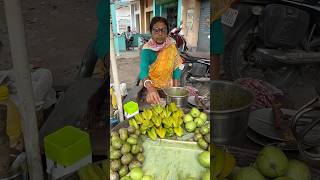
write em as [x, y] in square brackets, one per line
[178, 95]
[230, 107]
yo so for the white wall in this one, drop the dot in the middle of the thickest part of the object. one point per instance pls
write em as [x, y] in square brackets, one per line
[191, 35]
[126, 16]
[123, 16]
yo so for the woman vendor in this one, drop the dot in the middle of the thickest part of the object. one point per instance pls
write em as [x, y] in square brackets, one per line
[161, 64]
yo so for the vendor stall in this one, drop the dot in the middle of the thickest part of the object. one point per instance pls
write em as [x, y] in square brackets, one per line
[170, 140]
[233, 159]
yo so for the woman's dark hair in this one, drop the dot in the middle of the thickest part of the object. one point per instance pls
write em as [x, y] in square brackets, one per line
[156, 19]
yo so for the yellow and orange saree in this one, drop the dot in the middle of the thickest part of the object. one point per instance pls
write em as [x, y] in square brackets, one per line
[168, 59]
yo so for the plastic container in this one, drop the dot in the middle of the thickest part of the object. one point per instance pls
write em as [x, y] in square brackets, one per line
[13, 116]
[131, 109]
[123, 89]
[67, 145]
[113, 99]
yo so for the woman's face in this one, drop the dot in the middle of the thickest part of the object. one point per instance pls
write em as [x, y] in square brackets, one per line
[159, 32]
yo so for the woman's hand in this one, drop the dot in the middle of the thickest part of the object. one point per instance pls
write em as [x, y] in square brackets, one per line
[176, 83]
[153, 96]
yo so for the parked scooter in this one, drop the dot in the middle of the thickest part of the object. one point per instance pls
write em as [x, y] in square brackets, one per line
[175, 33]
[273, 40]
[196, 68]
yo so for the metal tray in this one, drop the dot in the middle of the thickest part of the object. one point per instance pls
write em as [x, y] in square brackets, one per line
[262, 122]
[264, 141]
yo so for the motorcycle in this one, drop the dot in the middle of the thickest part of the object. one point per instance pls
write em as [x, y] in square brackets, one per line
[196, 69]
[274, 40]
[175, 33]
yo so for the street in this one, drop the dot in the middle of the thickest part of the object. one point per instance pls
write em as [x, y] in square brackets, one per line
[57, 34]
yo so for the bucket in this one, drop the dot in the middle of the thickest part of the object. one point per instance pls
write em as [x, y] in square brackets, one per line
[230, 108]
[177, 95]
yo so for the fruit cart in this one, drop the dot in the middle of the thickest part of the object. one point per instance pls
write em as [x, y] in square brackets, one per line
[228, 159]
[146, 141]
[238, 156]
[166, 158]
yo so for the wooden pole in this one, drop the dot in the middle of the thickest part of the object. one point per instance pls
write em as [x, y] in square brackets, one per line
[115, 75]
[24, 85]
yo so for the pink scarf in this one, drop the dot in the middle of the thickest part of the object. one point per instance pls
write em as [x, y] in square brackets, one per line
[152, 44]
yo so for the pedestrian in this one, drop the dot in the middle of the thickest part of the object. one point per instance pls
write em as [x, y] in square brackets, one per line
[129, 38]
[217, 40]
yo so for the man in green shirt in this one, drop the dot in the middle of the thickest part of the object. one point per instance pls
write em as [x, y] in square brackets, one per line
[129, 38]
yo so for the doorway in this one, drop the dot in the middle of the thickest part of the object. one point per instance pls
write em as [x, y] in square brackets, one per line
[137, 23]
[171, 13]
[148, 20]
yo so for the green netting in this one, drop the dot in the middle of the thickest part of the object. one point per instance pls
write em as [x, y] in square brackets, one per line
[171, 160]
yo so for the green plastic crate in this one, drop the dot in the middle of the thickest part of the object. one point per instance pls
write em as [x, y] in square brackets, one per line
[67, 145]
[131, 107]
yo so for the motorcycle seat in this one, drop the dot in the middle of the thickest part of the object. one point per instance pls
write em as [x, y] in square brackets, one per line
[188, 57]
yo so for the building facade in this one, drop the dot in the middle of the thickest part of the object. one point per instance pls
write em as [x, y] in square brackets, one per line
[193, 15]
